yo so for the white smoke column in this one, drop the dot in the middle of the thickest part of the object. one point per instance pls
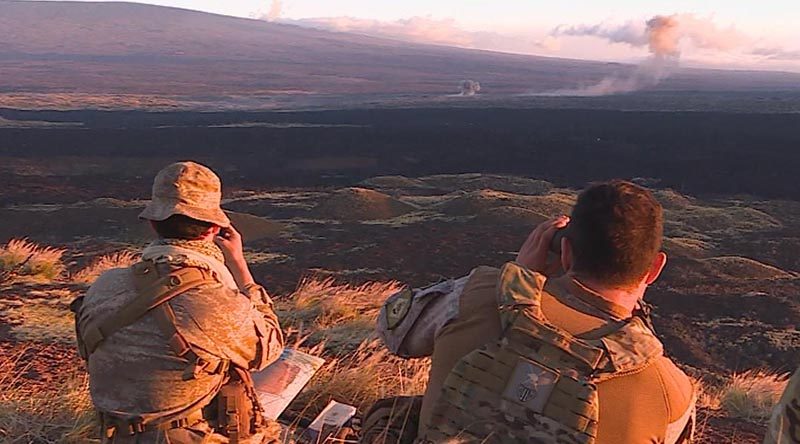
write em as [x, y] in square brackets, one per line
[275, 11]
[662, 35]
[470, 88]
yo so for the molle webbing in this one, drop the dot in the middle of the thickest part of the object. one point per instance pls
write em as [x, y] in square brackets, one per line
[156, 284]
[538, 382]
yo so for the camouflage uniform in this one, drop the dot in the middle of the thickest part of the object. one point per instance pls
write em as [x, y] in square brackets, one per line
[135, 373]
[145, 390]
[654, 402]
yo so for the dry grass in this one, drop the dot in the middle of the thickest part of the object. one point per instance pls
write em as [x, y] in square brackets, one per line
[20, 258]
[362, 377]
[60, 413]
[341, 315]
[40, 321]
[749, 395]
[337, 322]
[120, 259]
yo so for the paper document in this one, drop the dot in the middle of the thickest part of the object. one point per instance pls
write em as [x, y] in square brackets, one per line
[279, 383]
[335, 415]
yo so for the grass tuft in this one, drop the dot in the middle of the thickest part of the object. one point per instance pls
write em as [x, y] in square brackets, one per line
[20, 258]
[752, 394]
[337, 321]
[120, 259]
[341, 315]
[61, 413]
[749, 395]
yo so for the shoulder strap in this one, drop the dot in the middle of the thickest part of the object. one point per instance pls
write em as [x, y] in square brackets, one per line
[152, 291]
[620, 348]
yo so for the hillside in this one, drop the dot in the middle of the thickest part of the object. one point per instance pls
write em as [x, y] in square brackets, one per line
[135, 49]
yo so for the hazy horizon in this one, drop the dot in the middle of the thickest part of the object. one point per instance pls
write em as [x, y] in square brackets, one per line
[761, 36]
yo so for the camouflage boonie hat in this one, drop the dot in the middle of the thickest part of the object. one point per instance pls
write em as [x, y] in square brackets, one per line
[187, 188]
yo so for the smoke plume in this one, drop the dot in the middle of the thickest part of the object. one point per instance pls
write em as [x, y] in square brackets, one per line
[662, 35]
[470, 87]
[275, 11]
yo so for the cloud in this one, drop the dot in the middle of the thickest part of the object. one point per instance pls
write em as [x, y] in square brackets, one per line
[663, 34]
[631, 33]
[777, 53]
[414, 29]
[429, 30]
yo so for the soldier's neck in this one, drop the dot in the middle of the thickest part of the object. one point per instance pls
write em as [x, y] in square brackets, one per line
[626, 298]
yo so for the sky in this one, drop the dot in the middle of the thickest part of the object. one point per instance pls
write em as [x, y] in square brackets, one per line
[759, 34]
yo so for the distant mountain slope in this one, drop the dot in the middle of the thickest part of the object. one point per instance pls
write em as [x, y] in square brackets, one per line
[132, 48]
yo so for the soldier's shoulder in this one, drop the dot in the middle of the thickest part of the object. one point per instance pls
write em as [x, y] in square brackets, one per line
[210, 291]
[678, 388]
[485, 272]
[110, 278]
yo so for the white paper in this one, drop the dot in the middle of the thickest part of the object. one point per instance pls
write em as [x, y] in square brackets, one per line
[335, 415]
[279, 383]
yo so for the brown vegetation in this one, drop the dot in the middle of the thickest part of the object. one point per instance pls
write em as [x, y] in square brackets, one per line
[20, 258]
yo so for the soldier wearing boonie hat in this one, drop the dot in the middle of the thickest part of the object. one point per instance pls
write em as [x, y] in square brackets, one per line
[188, 189]
[169, 342]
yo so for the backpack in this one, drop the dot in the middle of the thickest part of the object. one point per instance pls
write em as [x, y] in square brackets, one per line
[537, 383]
[235, 411]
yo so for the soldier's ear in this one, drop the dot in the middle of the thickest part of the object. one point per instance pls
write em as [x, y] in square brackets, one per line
[656, 267]
[567, 257]
[211, 233]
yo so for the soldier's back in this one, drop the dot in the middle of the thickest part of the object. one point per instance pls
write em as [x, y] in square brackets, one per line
[651, 404]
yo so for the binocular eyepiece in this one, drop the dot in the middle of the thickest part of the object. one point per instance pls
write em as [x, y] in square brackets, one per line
[555, 244]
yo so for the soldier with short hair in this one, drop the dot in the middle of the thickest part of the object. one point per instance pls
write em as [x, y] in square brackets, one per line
[170, 341]
[549, 348]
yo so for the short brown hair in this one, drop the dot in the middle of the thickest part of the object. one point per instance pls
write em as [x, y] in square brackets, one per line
[616, 230]
[179, 226]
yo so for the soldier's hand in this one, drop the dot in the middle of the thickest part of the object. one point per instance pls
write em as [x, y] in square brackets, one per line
[230, 242]
[534, 253]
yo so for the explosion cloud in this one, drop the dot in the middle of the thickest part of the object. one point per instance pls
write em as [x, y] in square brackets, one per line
[470, 87]
[662, 35]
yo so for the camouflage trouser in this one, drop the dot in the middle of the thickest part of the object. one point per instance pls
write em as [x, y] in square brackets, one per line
[392, 421]
[199, 433]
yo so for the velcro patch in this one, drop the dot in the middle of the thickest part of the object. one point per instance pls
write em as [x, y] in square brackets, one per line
[398, 307]
[531, 385]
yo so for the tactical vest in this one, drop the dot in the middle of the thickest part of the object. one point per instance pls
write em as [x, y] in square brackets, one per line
[538, 383]
[234, 411]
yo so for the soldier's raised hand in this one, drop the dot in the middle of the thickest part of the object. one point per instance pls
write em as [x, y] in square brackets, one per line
[534, 253]
[230, 242]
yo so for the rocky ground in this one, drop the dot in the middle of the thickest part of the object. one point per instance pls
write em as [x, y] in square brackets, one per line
[728, 301]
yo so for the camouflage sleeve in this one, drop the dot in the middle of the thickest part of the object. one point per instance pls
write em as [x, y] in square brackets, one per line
[270, 333]
[239, 326]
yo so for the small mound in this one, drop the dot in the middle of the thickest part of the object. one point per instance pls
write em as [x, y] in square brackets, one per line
[356, 204]
[744, 268]
[686, 247]
[392, 184]
[725, 220]
[474, 182]
[483, 201]
[254, 228]
[512, 216]
[671, 199]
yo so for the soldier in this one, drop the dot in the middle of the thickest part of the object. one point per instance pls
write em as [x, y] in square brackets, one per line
[169, 342]
[550, 348]
[784, 426]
